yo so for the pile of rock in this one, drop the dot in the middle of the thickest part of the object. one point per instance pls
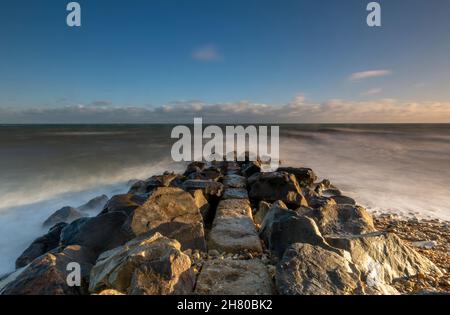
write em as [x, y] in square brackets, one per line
[219, 228]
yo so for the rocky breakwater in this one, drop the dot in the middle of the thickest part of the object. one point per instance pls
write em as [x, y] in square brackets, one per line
[220, 228]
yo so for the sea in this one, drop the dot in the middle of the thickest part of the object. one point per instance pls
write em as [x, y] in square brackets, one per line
[402, 169]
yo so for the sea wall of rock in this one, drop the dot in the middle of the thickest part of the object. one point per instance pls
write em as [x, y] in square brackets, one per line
[219, 228]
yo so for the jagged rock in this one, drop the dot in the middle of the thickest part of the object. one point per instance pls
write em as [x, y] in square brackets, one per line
[235, 193]
[235, 181]
[283, 227]
[143, 187]
[47, 274]
[41, 246]
[341, 219]
[194, 167]
[251, 168]
[260, 214]
[125, 203]
[172, 212]
[98, 233]
[210, 173]
[95, 204]
[233, 277]
[305, 176]
[343, 200]
[312, 270]
[148, 265]
[210, 188]
[275, 186]
[233, 230]
[63, 215]
[201, 202]
[383, 257]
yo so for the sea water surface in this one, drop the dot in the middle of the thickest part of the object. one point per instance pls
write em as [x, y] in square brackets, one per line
[404, 169]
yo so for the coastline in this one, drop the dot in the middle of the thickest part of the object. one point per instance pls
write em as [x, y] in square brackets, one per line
[248, 231]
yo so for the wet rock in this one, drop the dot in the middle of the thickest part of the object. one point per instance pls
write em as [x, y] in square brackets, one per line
[97, 234]
[210, 188]
[95, 204]
[63, 215]
[341, 219]
[234, 277]
[275, 186]
[125, 203]
[383, 257]
[233, 230]
[47, 274]
[250, 168]
[148, 265]
[343, 200]
[311, 270]
[235, 181]
[194, 167]
[143, 187]
[305, 176]
[235, 193]
[283, 227]
[41, 246]
[210, 173]
[173, 213]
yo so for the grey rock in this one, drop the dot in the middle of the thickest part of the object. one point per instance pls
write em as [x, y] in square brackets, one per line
[311, 270]
[234, 277]
[235, 193]
[63, 215]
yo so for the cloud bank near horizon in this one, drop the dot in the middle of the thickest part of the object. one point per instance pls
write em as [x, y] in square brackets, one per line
[299, 110]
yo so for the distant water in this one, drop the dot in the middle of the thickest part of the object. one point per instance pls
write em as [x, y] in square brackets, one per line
[399, 168]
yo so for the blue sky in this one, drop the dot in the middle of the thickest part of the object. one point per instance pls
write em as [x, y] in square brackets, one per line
[155, 54]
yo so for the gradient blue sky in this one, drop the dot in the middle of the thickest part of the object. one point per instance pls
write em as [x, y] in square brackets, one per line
[149, 54]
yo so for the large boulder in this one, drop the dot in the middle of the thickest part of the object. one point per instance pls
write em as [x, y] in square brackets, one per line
[172, 212]
[48, 274]
[233, 229]
[210, 173]
[201, 202]
[340, 219]
[147, 265]
[275, 186]
[210, 188]
[305, 176]
[95, 204]
[234, 277]
[250, 168]
[41, 246]
[146, 186]
[98, 234]
[235, 181]
[283, 227]
[63, 215]
[235, 193]
[312, 270]
[383, 257]
[125, 203]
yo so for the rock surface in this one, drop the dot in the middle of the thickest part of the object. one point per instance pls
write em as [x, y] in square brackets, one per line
[234, 277]
[312, 270]
[149, 265]
[276, 186]
[172, 212]
[63, 215]
[41, 246]
[233, 229]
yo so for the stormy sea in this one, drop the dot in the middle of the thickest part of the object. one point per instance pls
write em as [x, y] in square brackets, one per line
[403, 169]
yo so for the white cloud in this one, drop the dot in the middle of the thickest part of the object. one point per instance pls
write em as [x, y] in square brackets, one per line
[369, 74]
[207, 53]
[299, 110]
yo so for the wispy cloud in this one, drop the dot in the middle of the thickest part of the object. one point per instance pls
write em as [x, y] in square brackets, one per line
[372, 92]
[206, 53]
[369, 74]
[299, 110]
